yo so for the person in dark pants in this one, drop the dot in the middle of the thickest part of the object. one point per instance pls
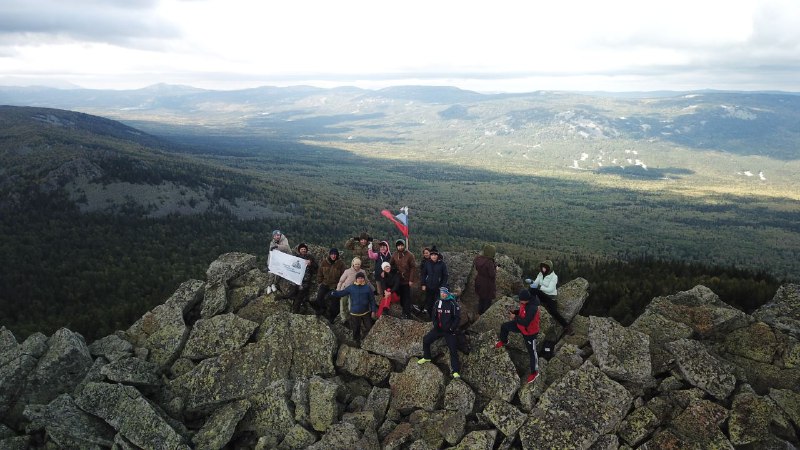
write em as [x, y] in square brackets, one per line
[544, 287]
[403, 261]
[485, 277]
[330, 270]
[362, 305]
[525, 321]
[446, 317]
[300, 294]
[433, 277]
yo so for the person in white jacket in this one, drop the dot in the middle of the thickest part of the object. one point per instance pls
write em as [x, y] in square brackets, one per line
[544, 287]
[281, 243]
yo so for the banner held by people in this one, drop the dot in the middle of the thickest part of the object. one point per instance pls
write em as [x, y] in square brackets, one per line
[287, 266]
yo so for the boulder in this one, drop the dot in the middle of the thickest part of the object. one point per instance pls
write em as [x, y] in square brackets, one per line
[750, 418]
[478, 440]
[701, 369]
[16, 363]
[417, 387]
[576, 411]
[504, 416]
[638, 425]
[458, 396]
[323, 410]
[783, 311]
[111, 348]
[399, 436]
[270, 412]
[297, 438]
[229, 266]
[60, 368]
[398, 339]
[135, 371]
[215, 299]
[218, 429]
[571, 297]
[699, 424]
[701, 309]
[437, 427]
[217, 335]
[162, 331]
[489, 371]
[341, 436]
[757, 342]
[361, 363]
[789, 402]
[622, 353]
[378, 402]
[68, 426]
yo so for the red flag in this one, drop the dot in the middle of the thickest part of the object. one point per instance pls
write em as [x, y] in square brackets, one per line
[400, 220]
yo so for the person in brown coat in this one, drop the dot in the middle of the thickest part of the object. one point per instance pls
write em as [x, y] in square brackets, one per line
[485, 278]
[330, 270]
[406, 266]
[360, 247]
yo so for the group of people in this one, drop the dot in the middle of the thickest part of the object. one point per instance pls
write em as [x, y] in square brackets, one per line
[379, 277]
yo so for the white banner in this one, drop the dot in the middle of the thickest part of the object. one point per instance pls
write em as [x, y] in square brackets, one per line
[287, 266]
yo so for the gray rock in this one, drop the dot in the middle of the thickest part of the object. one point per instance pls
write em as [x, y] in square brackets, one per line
[489, 371]
[478, 440]
[217, 335]
[701, 369]
[562, 419]
[363, 420]
[68, 426]
[458, 396]
[417, 387]
[297, 438]
[310, 340]
[270, 412]
[638, 425]
[378, 402]
[7, 340]
[701, 309]
[783, 311]
[699, 424]
[15, 366]
[397, 339]
[341, 436]
[436, 427]
[757, 342]
[162, 331]
[220, 426]
[623, 354]
[215, 299]
[504, 416]
[571, 297]
[323, 409]
[60, 369]
[132, 371]
[229, 266]
[361, 363]
[399, 436]
[16, 443]
[300, 399]
[111, 348]
[750, 418]
[606, 442]
[124, 408]
[789, 402]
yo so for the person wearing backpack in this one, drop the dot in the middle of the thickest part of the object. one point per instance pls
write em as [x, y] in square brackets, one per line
[446, 317]
[525, 321]
[544, 288]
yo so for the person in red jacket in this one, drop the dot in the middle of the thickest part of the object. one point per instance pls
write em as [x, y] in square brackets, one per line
[525, 321]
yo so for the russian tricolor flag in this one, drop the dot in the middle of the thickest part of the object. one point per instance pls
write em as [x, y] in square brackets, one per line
[399, 220]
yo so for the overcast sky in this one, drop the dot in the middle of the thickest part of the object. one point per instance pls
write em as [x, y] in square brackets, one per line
[511, 46]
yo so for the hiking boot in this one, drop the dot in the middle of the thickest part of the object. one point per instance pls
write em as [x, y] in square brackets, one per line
[423, 361]
[456, 375]
[499, 344]
[532, 377]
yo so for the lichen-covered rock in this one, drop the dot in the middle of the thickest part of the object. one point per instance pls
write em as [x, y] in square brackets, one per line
[260, 308]
[311, 341]
[68, 426]
[606, 442]
[322, 407]
[270, 412]
[399, 436]
[111, 348]
[124, 408]
[757, 342]
[783, 311]
[363, 420]
[489, 370]
[341, 436]
[163, 331]
[436, 427]
[417, 387]
[638, 425]
[789, 402]
[478, 440]
[504, 416]
[763, 376]
[660, 330]
[15, 365]
[576, 411]
[701, 309]
[229, 266]
[59, 370]
[133, 371]
[397, 339]
[622, 353]
[297, 438]
[701, 369]
[215, 299]
[458, 396]
[571, 297]
[750, 418]
[220, 426]
[360, 363]
[217, 335]
[699, 424]
[378, 402]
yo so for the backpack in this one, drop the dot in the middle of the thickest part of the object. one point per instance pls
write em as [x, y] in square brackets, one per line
[548, 349]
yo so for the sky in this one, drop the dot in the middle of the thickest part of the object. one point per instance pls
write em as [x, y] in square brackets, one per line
[498, 46]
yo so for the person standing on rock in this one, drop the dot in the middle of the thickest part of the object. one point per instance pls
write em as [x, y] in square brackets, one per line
[381, 256]
[485, 277]
[406, 266]
[348, 277]
[432, 277]
[525, 321]
[544, 287]
[446, 318]
[330, 270]
[362, 305]
[281, 243]
[300, 294]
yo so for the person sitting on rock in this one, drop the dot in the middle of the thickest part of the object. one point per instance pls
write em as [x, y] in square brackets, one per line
[446, 318]
[330, 270]
[390, 280]
[525, 321]
[362, 305]
[281, 243]
[544, 287]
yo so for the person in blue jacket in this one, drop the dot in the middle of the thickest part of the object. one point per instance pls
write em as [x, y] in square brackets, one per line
[362, 305]
[446, 318]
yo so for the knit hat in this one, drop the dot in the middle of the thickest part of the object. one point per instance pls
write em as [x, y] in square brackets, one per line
[334, 251]
[444, 290]
[489, 251]
[435, 251]
[302, 245]
[525, 295]
[399, 242]
[355, 260]
[385, 264]
[276, 233]
[364, 236]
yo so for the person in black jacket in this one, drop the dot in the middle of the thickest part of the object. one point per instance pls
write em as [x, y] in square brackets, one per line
[446, 318]
[433, 277]
[300, 294]
[390, 280]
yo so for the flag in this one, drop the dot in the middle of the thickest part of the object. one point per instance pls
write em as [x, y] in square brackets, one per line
[399, 220]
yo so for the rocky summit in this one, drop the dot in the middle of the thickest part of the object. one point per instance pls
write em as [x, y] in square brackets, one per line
[221, 364]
